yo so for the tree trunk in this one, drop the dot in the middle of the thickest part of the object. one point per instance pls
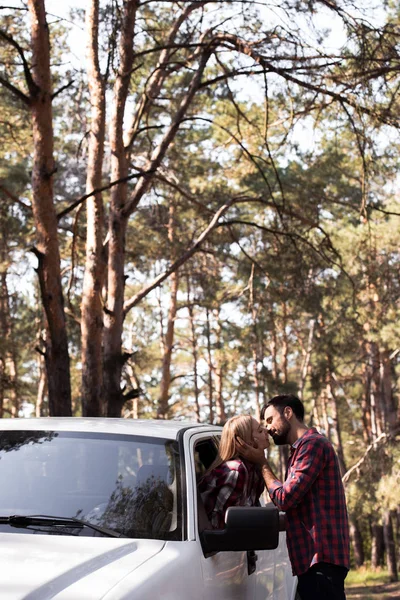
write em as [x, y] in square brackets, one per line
[285, 346]
[194, 346]
[387, 390]
[114, 312]
[121, 208]
[3, 348]
[377, 545]
[8, 354]
[283, 461]
[162, 410]
[47, 251]
[210, 368]
[219, 374]
[255, 346]
[390, 547]
[91, 307]
[366, 400]
[42, 388]
[357, 542]
[306, 359]
[324, 410]
[274, 347]
[335, 418]
[398, 533]
[375, 389]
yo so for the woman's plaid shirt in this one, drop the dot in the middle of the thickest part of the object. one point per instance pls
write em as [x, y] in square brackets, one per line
[235, 482]
[315, 505]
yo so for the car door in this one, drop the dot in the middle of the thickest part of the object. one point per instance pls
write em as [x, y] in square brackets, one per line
[225, 574]
[274, 577]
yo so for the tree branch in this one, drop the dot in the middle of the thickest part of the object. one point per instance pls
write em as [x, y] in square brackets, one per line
[17, 92]
[99, 190]
[380, 440]
[32, 87]
[182, 259]
[13, 197]
[61, 89]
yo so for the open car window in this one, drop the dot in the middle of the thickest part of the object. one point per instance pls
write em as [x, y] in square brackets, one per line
[205, 452]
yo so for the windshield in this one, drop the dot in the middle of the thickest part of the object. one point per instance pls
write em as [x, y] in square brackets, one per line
[128, 484]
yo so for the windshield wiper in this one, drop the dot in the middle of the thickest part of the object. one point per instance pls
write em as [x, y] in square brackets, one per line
[24, 521]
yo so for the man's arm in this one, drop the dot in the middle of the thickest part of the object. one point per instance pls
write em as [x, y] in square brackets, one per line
[309, 462]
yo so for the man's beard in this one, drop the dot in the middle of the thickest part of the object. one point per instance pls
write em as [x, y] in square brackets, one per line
[280, 439]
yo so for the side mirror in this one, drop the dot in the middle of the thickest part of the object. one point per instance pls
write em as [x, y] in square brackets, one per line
[247, 528]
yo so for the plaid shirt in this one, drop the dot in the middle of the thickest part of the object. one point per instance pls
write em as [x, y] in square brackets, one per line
[235, 482]
[315, 505]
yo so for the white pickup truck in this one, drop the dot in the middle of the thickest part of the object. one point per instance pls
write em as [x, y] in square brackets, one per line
[108, 509]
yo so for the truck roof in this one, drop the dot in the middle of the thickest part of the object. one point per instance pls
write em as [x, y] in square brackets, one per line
[167, 429]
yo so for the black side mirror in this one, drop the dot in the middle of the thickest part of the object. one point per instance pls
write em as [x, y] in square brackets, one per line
[247, 528]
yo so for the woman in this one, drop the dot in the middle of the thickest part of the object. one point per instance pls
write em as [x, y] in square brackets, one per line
[231, 480]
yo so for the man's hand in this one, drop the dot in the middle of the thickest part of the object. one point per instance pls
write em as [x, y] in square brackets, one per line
[254, 455]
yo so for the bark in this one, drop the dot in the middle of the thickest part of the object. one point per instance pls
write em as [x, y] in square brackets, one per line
[283, 460]
[219, 374]
[335, 418]
[162, 410]
[121, 208]
[273, 345]
[256, 380]
[377, 545]
[315, 420]
[13, 375]
[8, 358]
[390, 547]
[398, 533]
[3, 370]
[210, 368]
[255, 346]
[285, 346]
[377, 416]
[387, 390]
[366, 407]
[47, 251]
[91, 308]
[306, 359]
[195, 354]
[2, 387]
[357, 542]
[42, 388]
[134, 413]
[114, 314]
[324, 411]
[263, 380]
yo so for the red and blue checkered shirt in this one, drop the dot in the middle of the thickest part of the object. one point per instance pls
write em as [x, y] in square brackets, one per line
[313, 498]
[235, 482]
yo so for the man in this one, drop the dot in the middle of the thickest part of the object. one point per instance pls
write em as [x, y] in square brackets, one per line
[312, 496]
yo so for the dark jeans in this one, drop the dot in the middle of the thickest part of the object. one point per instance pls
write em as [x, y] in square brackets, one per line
[322, 581]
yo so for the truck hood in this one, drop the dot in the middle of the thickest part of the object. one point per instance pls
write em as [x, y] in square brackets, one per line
[40, 567]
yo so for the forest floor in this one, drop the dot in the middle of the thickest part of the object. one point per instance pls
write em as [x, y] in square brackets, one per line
[371, 585]
[383, 591]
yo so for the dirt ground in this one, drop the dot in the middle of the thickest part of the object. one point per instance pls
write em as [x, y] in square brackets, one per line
[387, 591]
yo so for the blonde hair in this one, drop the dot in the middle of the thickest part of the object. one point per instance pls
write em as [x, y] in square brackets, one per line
[239, 426]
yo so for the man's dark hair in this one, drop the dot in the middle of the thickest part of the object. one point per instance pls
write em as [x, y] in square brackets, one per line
[280, 402]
